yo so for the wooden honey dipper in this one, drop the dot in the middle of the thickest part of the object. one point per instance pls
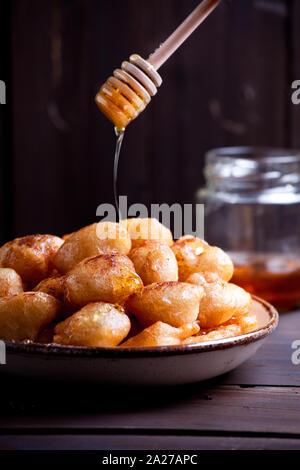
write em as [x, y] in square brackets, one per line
[125, 95]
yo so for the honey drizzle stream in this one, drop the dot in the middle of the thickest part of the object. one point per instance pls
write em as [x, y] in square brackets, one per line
[120, 136]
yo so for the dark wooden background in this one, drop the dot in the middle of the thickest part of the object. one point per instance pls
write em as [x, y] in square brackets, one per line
[230, 84]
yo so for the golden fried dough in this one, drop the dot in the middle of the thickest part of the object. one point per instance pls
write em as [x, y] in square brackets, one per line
[161, 334]
[53, 285]
[175, 303]
[247, 322]
[203, 278]
[141, 230]
[193, 241]
[222, 301]
[96, 239]
[194, 255]
[234, 327]
[187, 251]
[126, 282]
[10, 282]
[66, 236]
[24, 315]
[155, 262]
[95, 325]
[107, 278]
[30, 256]
[221, 332]
[216, 261]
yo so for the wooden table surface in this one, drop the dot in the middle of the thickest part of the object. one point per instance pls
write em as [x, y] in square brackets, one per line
[257, 406]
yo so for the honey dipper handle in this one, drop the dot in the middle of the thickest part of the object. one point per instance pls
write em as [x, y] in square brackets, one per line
[162, 54]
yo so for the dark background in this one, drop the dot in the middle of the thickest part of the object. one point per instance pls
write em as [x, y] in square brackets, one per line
[230, 84]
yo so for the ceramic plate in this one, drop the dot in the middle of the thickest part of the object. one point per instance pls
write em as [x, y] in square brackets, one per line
[170, 365]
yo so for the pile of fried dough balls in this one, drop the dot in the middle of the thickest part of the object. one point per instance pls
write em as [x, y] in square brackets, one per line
[124, 284]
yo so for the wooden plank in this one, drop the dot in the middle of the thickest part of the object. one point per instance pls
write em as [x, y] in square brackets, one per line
[5, 126]
[197, 408]
[217, 91]
[212, 95]
[295, 69]
[35, 146]
[63, 146]
[235, 73]
[141, 442]
[2, 176]
[52, 119]
[134, 22]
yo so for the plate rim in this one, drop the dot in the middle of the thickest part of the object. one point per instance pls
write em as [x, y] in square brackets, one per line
[62, 351]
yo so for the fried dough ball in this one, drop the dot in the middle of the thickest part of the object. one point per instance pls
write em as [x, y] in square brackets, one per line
[54, 285]
[161, 334]
[96, 325]
[203, 278]
[187, 251]
[222, 332]
[234, 327]
[30, 256]
[247, 322]
[221, 301]
[195, 255]
[66, 236]
[10, 282]
[141, 230]
[174, 303]
[24, 315]
[107, 278]
[216, 261]
[96, 239]
[155, 262]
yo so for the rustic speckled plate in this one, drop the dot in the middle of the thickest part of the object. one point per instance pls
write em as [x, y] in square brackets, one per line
[169, 365]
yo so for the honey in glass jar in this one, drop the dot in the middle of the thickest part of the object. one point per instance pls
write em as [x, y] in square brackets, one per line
[252, 210]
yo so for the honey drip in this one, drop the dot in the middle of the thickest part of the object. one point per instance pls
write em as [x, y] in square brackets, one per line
[120, 137]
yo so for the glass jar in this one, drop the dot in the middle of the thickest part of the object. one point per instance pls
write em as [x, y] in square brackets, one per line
[252, 211]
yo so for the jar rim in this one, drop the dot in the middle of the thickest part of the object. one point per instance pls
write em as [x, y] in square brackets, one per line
[253, 169]
[254, 154]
